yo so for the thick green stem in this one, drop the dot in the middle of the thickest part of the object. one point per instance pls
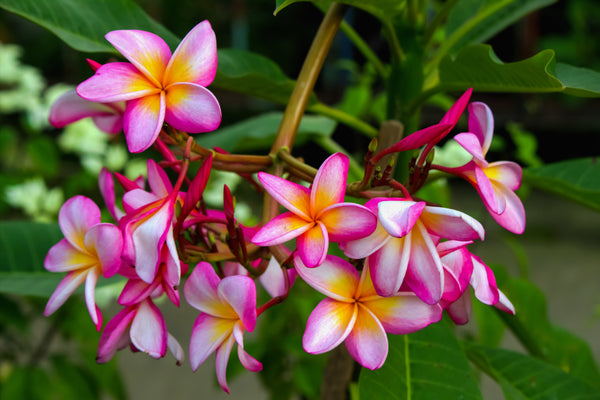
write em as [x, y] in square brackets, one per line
[344, 118]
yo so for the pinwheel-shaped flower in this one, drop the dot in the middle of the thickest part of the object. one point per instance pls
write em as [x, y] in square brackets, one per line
[89, 249]
[353, 312]
[159, 86]
[317, 215]
[495, 182]
[228, 308]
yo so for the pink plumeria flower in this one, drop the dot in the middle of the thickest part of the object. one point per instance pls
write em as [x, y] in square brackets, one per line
[90, 249]
[142, 326]
[403, 247]
[159, 86]
[69, 108]
[495, 182]
[228, 309]
[316, 216]
[148, 224]
[355, 314]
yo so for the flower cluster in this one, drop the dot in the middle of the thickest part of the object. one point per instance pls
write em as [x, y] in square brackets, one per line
[407, 261]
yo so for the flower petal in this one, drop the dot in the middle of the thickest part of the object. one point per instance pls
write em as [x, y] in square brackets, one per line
[111, 124]
[208, 334]
[65, 288]
[249, 362]
[389, 264]
[292, 196]
[470, 142]
[280, 229]
[107, 189]
[403, 313]
[366, 246]
[201, 292]
[506, 172]
[115, 335]
[69, 107]
[399, 217]
[348, 221]
[367, 342]
[195, 59]
[107, 241]
[328, 325]
[221, 360]
[76, 217]
[63, 257]
[329, 185]
[143, 121]
[513, 217]
[146, 51]
[486, 190]
[116, 82]
[148, 330]
[192, 108]
[453, 114]
[504, 304]
[240, 293]
[451, 224]
[483, 282]
[313, 245]
[460, 310]
[481, 124]
[425, 272]
[335, 277]
[90, 299]
[158, 180]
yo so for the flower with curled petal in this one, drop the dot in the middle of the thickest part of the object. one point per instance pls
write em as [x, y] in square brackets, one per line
[159, 86]
[89, 249]
[355, 314]
[317, 215]
[228, 309]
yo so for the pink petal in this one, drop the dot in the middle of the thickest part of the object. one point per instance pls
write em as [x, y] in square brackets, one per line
[147, 51]
[484, 282]
[221, 360]
[158, 180]
[425, 273]
[148, 330]
[109, 123]
[175, 348]
[504, 304]
[208, 334]
[389, 264]
[329, 185]
[115, 82]
[367, 342]
[313, 245]
[76, 217]
[65, 288]
[107, 241]
[366, 246]
[115, 335]
[69, 107]
[280, 229]
[195, 59]
[107, 189]
[292, 196]
[348, 221]
[143, 121]
[460, 310]
[90, 300]
[513, 217]
[430, 134]
[192, 108]
[138, 198]
[451, 224]
[481, 123]
[273, 279]
[488, 193]
[458, 268]
[249, 362]
[454, 113]
[470, 142]
[506, 172]
[399, 217]
[240, 293]
[403, 313]
[201, 292]
[335, 277]
[63, 257]
[328, 325]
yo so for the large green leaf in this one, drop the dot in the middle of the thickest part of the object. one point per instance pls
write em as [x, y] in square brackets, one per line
[258, 133]
[82, 24]
[429, 364]
[522, 377]
[477, 66]
[578, 180]
[382, 9]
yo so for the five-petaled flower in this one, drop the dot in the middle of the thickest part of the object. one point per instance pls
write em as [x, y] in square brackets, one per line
[159, 86]
[317, 215]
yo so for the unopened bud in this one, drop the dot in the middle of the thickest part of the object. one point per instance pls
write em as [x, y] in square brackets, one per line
[373, 145]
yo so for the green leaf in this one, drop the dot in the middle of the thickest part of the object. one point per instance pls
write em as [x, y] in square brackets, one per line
[258, 133]
[578, 180]
[522, 377]
[382, 9]
[476, 21]
[255, 75]
[429, 364]
[477, 66]
[82, 24]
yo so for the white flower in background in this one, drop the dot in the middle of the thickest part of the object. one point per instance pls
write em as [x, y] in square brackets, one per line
[35, 199]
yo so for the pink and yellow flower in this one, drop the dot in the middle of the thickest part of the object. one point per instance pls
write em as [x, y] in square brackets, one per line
[228, 309]
[89, 249]
[355, 314]
[159, 86]
[316, 216]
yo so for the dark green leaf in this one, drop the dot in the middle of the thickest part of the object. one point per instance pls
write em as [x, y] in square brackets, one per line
[522, 377]
[44, 155]
[477, 66]
[258, 133]
[429, 364]
[27, 383]
[82, 24]
[382, 9]
[578, 180]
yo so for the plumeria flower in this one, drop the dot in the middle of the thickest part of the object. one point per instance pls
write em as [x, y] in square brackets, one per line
[148, 224]
[403, 247]
[69, 108]
[228, 309]
[142, 326]
[495, 182]
[355, 314]
[316, 216]
[90, 249]
[159, 86]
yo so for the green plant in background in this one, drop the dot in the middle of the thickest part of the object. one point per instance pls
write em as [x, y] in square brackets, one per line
[434, 49]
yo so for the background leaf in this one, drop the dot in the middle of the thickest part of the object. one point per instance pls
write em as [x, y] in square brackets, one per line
[425, 365]
[477, 66]
[578, 180]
